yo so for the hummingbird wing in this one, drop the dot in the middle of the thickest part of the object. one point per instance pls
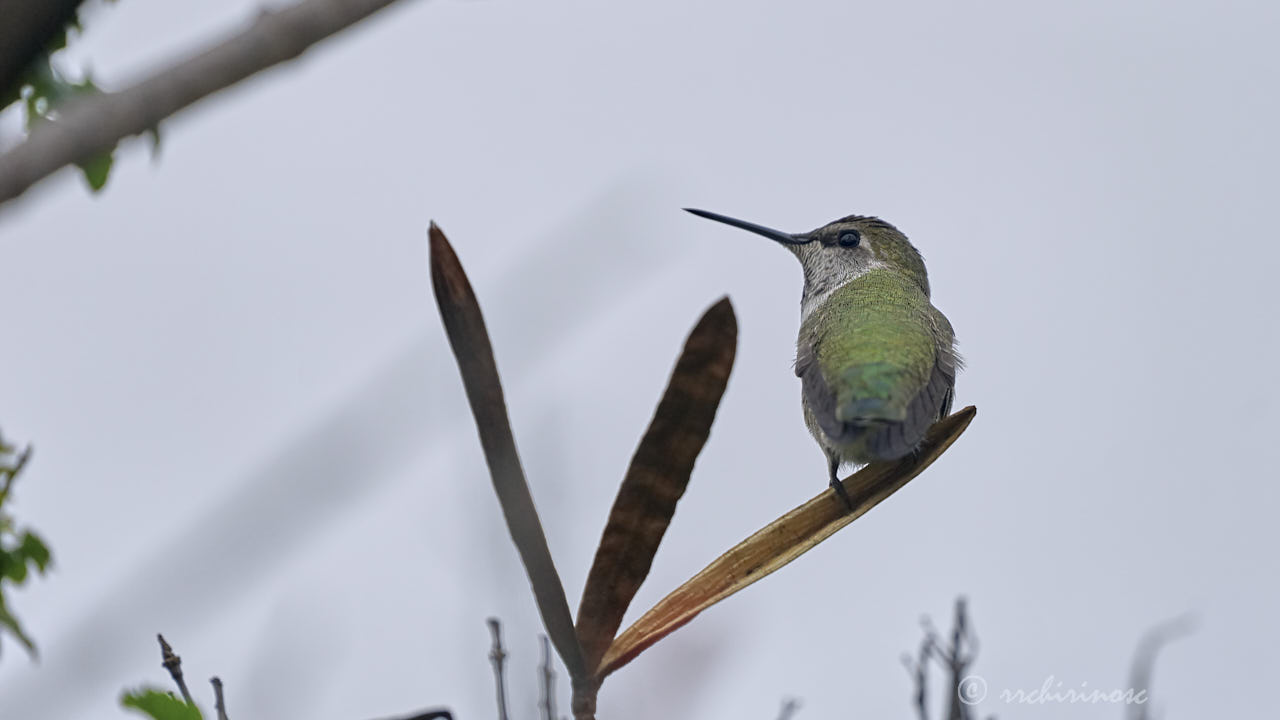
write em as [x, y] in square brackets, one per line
[876, 364]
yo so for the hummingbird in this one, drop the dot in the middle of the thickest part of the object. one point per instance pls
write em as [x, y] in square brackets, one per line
[876, 360]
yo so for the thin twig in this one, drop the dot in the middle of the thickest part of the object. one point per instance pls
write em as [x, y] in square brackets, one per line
[919, 671]
[789, 708]
[427, 715]
[171, 662]
[218, 702]
[91, 125]
[955, 657]
[548, 681]
[1144, 661]
[958, 656]
[11, 473]
[498, 656]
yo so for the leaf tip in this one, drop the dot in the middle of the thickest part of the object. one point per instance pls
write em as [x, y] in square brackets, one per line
[447, 275]
[438, 241]
[721, 317]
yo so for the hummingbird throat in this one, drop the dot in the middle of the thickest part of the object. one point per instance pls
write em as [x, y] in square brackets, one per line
[824, 275]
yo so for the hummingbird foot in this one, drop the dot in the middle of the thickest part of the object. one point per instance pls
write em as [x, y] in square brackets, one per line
[834, 465]
[844, 494]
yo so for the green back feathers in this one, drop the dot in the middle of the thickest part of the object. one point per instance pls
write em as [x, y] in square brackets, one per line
[873, 344]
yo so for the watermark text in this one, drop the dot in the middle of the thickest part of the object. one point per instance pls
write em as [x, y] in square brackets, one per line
[973, 690]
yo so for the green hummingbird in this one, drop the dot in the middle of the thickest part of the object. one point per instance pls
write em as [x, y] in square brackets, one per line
[876, 360]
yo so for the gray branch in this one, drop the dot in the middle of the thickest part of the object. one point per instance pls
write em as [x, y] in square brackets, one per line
[548, 682]
[88, 126]
[497, 655]
[219, 702]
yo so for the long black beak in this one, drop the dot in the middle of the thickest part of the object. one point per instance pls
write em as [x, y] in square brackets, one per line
[775, 235]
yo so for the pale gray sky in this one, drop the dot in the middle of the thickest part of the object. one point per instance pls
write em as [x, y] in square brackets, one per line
[250, 435]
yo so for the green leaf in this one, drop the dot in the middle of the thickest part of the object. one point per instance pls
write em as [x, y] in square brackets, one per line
[15, 567]
[16, 549]
[34, 549]
[96, 170]
[59, 41]
[154, 134]
[159, 705]
[44, 89]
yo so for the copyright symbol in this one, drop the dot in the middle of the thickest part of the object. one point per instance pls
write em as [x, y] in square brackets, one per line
[972, 690]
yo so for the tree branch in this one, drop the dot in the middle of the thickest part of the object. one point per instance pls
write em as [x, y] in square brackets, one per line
[89, 126]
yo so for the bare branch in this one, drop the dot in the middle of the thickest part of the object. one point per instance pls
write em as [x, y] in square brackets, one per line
[173, 664]
[918, 668]
[91, 125]
[548, 681]
[498, 656]
[955, 657]
[218, 701]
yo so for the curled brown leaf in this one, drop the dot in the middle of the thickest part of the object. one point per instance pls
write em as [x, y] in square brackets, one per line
[780, 542]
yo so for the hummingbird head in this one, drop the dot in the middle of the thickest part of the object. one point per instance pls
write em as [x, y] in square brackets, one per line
[840, 251]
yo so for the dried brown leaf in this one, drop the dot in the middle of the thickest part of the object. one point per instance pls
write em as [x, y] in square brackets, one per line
[470, 341]
[779, 543]
[657, 477]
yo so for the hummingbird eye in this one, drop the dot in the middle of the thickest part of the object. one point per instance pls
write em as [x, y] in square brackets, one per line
[849, 238]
